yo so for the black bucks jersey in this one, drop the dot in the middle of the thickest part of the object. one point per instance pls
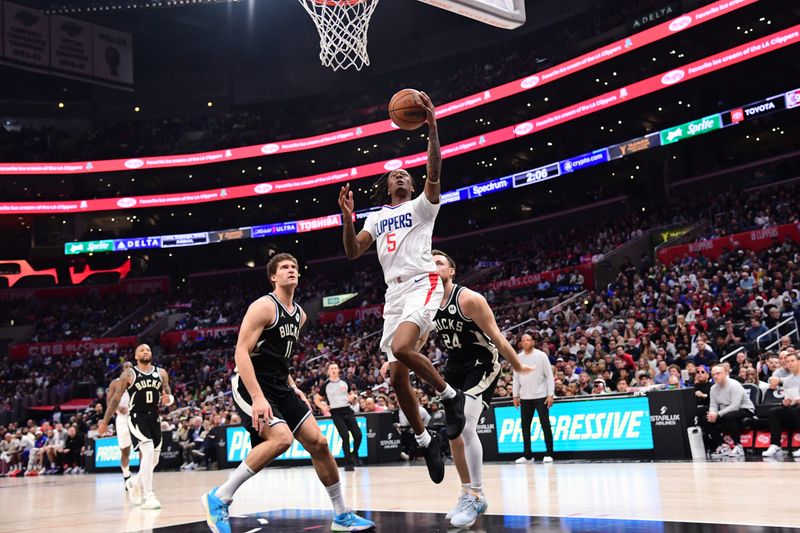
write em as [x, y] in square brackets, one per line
[275, 345]
[467, 346]
[145, 393]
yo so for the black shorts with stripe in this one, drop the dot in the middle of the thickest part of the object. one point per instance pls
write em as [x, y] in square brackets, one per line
[287, 407]
[478, 381]
[144, 428]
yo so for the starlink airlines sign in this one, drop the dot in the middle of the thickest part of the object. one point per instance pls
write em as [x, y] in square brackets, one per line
[620, 424]
[238, 442]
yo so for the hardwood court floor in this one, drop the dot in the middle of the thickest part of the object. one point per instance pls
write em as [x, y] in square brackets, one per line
[750, 493]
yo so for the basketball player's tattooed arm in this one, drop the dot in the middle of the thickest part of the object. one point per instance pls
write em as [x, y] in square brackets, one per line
[477, 308]
[258, 315]
[432, 185]
[354, 245]
[166, 391]
[125, 379]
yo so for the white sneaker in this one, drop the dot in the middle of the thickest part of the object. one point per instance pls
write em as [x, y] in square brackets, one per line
[151, 502]
[461, 504]
[523, 461]
[547, 459]
[772, 451]
[184, 465]
[796, 453]
[475, 507]
[736, 451]
[134, 490]
[721, 451]
[191, 466]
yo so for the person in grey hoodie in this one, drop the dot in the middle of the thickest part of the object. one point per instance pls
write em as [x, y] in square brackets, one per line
[730, 403]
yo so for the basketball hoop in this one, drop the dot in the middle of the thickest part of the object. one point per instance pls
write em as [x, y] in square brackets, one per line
[342, 27]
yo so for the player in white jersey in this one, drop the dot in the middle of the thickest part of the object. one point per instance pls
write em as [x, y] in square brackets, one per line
[121, 424]
[402, 231]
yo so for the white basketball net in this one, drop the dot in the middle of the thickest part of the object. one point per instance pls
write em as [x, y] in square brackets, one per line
[342, 27]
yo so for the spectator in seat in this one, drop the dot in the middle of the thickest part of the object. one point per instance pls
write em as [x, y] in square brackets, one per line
[622, 386]
[702, 391]
[662, 373]
[751, 376]
[787, 416]
[756, 328]
[72, 452]
[730, 404]
[599, 386]
[704, 354]
[673, 382]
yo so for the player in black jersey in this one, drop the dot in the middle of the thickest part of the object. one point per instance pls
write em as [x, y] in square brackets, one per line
[272, 408]
[148, 387]
[466, 326]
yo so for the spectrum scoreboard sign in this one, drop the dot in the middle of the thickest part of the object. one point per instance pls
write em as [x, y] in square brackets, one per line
[581, 426]
[238, 444]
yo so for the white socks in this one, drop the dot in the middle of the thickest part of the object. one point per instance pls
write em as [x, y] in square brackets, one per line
[473, 449]
[448, 392]
[126, 472]
[423, 439]
[146, 466]
[335, 494]
[239, 476]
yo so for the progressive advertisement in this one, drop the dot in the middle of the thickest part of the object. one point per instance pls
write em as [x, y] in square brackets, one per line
[581, 426]
[238, 442]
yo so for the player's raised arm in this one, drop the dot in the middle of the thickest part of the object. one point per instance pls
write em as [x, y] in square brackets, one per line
[354, 245]
[477, 308]
[258, 316]
[432, 185]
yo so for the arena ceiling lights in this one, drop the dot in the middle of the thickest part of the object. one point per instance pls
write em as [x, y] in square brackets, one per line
[681, 132]
[619, 48]
[697, 69]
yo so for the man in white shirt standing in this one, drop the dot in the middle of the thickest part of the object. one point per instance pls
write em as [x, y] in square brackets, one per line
[534, 392]
[402, 232]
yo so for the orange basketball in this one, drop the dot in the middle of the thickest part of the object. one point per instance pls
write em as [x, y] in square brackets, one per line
[404, 112]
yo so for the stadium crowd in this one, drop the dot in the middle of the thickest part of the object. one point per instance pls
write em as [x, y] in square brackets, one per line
[653, 325]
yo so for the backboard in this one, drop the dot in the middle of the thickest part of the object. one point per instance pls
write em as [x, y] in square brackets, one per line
[507, 14]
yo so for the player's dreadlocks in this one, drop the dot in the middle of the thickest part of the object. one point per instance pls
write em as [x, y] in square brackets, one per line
[380, 193]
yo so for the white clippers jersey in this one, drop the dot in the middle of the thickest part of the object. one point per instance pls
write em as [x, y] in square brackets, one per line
[403, 236]
[124, 404]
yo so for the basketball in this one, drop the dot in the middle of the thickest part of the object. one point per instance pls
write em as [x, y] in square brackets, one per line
[404, 111]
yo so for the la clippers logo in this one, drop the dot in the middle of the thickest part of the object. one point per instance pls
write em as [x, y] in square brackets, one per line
[134, 163]
[763, 438]
[530, 82]
[270, 148]
[523, 129]
[126, 202]
[792, 99]
[394, 164]
[263, 188]
[680, 23]
[672, 77]
[737, 115]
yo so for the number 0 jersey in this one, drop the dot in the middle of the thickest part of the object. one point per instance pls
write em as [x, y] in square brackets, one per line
[402, 235]
[467, 345]
[145, 393]
[274, 348]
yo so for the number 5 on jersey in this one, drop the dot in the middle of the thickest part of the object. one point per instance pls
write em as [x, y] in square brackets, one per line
[391, 242]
